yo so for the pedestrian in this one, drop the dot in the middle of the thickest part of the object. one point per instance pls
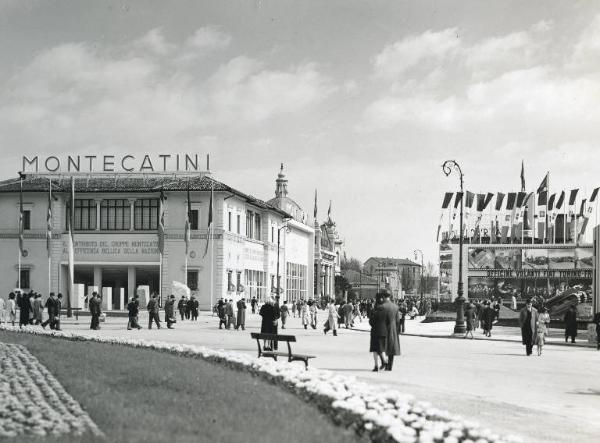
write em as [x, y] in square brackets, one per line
[241, 314]
[332, 318]
[304, 314]
[347, 311]
[51, 309]
[542, 329]
[31, 298]
[194, 305]
[2, 311]
[181, 306]
[571, 324]
[528, 321]
[37, 309]
[24, 306]
[596, 321]
[133, 309]
[153, 308]
[393, 338]
[497, 305]
[378, 342]
[253, 303]
[487, 319]
[294, 309]
[58, 307]
[95, 311]
[403, 310]
[188, 308]
[267, 325]
[12, 308]
[312, 309]
[284, 312]
[513, 302]
[229, 313]
[170, 318]
[470, 320]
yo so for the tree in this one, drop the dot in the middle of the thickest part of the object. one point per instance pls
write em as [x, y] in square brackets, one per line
[407, 279]
[353, 264]
[342, 286]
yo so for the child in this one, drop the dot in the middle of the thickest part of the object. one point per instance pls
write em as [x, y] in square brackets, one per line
[542, 329]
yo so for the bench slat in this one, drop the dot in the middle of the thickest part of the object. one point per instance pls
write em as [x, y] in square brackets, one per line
[273, 337]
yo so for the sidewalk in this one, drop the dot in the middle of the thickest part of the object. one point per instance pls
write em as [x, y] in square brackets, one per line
[445, 329]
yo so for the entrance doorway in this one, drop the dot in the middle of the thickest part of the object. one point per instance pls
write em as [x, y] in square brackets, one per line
[147, 276]
[116, 278]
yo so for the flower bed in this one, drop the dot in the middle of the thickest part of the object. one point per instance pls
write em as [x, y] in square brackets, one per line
[377, 413]
[33, 402]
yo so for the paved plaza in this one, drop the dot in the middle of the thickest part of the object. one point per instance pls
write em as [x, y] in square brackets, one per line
[555, 397]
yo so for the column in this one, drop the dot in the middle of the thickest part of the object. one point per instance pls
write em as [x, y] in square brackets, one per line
[98, 202]
[98, 278]
[131, 213]
[319, 288]
[130, 281]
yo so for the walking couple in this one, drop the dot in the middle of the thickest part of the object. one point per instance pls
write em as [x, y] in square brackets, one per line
[385, 340]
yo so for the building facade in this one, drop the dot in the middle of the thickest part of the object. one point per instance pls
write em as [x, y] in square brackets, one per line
[116, 237]
[400, 276]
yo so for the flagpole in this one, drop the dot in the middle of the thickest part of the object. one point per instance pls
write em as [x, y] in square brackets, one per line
[50, 236]
[534, 198]
[20, 230]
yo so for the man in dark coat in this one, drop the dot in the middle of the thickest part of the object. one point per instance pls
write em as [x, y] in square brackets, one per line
[51, 308]
[194, 305]
[24, 308]
[528, 321]
[133, 308]
[229, 313]
[241, 314]
[347, 309]
[267, 326]
[571, 324]
[222, 314]
[181, 306]
[57, 308]
[253, 304]
[393, 338]
[379, 330]
[153, 312]
[487, 317]
[170, 311]
[403, 311]
[95, 311]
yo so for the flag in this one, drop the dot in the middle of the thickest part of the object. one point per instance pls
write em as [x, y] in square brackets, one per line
[522, 176]
[315, 209]
[573, 197]
[187, 233]
[457, 199]
[542, 198]
[161, 222]
[469, 199]
[510, 200]
[582, 208]
[521, 196]
[49, 219]
[447, 199]
[594, 194]
[487, 200]
[561, 200]
[329, 211]
[210, 220]
[543, 185]
[21, 223]
[551, 202]
[499, 200]
[480, 202]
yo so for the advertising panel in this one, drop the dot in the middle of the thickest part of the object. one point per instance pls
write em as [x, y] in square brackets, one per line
[507, 259]
[535, 259]
[481, 258]
[561, 259]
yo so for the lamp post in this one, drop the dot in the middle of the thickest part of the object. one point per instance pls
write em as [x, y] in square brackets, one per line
[421, 280]
[459, 327]
[287, 229]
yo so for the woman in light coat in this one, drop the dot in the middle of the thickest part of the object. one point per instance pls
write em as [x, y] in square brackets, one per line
[332, 317]
[304, 314]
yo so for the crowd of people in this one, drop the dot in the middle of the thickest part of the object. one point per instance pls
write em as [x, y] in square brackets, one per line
[31, 308]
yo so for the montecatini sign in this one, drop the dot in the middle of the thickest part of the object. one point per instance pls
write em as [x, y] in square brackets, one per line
[111, 163]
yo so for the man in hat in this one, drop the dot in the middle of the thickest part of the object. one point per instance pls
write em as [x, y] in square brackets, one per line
[51, 308]
[393, 338]
[181, 306]
[58, 307]
[170, 311]
[153, 312]
[133, 309]
[95, 311]
[528, 321]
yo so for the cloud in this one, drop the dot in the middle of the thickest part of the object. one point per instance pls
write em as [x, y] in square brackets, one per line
[586, 51]
[209, 38]
[397, 58]
[154, 41]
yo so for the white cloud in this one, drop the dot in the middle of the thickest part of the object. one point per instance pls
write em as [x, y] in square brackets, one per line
[209, 38]
[399, 57]
[586, 52]
[155, 41]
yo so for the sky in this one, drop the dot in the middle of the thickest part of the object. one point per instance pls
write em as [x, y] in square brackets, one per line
[362, 100]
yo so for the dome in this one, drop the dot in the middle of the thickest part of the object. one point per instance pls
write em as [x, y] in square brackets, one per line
[285, 203]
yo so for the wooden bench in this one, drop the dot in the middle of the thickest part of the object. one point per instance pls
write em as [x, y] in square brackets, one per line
[273, 353]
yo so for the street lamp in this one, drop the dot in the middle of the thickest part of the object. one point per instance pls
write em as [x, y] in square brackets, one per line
[287, 229]
[421, 284]
[459, 327]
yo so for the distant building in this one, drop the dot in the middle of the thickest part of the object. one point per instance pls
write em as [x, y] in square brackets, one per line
[363, 285]
[394, 274]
